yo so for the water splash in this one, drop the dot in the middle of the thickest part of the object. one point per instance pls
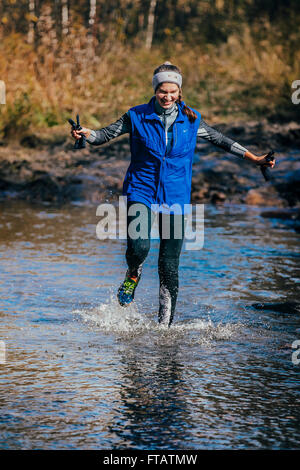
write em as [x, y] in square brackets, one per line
[111, 318]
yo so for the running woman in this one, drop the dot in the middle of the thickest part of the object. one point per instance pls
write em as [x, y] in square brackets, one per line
[163, 135]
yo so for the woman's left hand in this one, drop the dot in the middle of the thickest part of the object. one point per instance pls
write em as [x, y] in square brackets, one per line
[262, 161]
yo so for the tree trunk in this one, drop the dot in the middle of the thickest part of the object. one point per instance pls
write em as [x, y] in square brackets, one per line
[57, 18]
[150, 27]
[92, 15]
[65, 17]
[91, 30]
[30, 35]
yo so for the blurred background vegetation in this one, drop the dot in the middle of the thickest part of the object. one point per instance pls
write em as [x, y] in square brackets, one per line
[96, 57]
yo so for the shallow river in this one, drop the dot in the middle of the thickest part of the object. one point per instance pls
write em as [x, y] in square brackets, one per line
[80, 372]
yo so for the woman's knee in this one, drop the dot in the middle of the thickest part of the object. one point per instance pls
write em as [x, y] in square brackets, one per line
[138, 249]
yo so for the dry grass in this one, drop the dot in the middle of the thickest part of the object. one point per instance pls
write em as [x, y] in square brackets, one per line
[243, 78]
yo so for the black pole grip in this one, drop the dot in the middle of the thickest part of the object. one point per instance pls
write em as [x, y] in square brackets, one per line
[73, 124]
[80, 143]
[265, 169]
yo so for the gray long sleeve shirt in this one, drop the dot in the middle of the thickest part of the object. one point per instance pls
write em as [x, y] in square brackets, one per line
[167, 116]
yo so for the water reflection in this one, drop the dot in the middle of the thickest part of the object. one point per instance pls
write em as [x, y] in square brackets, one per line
[153, 411]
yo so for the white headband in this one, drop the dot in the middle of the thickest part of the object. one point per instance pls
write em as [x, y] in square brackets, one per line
[172, 77]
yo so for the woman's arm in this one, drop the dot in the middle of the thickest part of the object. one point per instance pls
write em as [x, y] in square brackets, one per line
[117, 128]
[220, 140]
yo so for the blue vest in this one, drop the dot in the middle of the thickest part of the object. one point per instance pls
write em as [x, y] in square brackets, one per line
[156, 176]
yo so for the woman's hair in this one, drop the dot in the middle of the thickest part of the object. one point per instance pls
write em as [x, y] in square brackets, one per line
[168, 67]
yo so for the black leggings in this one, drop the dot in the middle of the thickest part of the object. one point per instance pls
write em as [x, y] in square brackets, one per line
[171, 232]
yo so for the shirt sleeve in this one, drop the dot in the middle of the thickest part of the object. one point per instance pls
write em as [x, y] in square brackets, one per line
[117, 128]
[220, 140]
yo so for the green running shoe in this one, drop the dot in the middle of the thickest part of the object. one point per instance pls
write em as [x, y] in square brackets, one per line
[126, 290]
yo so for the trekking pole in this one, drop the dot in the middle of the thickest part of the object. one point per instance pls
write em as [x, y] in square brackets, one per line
[80, 143]
[265, 169]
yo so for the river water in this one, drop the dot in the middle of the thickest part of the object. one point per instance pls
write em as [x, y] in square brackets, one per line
[80, 372]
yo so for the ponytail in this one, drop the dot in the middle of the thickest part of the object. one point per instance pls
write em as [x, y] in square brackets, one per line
[192, 116]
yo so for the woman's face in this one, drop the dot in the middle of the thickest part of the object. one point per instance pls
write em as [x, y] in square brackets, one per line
[166, 94]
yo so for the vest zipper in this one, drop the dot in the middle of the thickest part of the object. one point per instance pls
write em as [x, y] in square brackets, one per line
[164, 157]
[166, 136]
[175, 134]
[166, 139]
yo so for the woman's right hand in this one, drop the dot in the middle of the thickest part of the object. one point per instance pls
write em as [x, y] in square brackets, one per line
[78, 134]
[262, 161]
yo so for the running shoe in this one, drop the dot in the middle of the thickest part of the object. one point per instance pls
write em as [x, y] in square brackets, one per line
[126, 290]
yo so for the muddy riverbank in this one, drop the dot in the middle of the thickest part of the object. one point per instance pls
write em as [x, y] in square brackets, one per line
[48, 170]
